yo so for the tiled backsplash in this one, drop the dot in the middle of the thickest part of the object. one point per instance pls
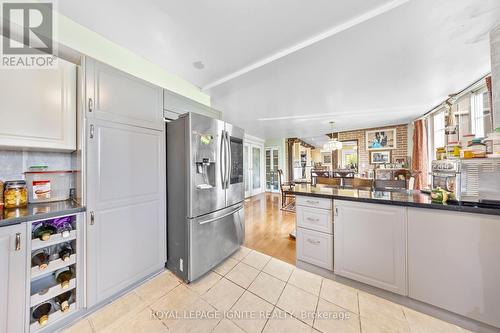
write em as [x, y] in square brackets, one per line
[14, 163]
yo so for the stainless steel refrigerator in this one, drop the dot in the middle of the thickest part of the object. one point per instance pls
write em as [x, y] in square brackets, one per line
[205, 223]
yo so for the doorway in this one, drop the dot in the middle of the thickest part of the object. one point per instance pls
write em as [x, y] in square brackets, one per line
[253, 158]
[272, 165]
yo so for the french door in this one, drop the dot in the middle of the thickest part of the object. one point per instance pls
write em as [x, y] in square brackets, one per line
[272, 165]
[253, 156]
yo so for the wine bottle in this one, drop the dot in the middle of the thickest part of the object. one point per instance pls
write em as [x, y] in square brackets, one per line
[63, 276]
[63, 300]
[41, 313]
[65, 251]
[43, 231]
[40, 258]
[63, 226]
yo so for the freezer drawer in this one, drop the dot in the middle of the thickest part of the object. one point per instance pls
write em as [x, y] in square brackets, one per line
[213, 238]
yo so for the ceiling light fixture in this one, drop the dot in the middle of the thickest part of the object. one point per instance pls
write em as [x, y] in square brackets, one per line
[332, 144]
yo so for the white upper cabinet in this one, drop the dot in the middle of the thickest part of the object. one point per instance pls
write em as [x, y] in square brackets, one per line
[119, 97]
[175, 105]
[38, 108]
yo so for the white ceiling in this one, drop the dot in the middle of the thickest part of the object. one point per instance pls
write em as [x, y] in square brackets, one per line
[287, 67]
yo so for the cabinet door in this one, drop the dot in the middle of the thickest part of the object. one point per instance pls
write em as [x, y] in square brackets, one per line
[315, 248]
[126, 195]
[12, 278]
[453, 262]
[175, 104]
[370, 244]
[119, 97]
[39, 108]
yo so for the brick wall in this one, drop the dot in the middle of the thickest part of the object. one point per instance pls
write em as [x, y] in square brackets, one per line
[495, 73]
[401, 150]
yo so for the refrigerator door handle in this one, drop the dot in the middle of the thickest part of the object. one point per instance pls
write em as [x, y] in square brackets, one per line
[222, 160]
[222, 216]
[229, 160]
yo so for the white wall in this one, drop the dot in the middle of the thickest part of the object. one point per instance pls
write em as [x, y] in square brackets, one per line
[495, 73]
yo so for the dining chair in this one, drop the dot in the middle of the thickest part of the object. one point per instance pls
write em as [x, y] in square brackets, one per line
[362, 182]
[328, 181]
[283, 186]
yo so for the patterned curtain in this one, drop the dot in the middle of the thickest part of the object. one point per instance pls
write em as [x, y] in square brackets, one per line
[490, 98]
[419, 155]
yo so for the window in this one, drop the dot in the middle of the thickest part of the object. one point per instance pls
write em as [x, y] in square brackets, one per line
[438, 129]
[480, 113]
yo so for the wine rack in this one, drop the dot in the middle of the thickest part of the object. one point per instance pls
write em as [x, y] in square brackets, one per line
[42, 284]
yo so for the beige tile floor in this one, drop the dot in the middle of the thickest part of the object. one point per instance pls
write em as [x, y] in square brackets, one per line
[257, 293]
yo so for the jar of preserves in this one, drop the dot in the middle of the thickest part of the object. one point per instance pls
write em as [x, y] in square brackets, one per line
[453, 150]
[1, 193]
[440, 153]
[15, 194]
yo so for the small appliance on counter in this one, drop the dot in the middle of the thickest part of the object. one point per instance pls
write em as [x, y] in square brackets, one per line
[476, 180]
[446, 175]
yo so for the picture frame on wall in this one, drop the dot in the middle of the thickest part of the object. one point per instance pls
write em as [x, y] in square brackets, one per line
[380, 157]
[384, 138]
[327, 158]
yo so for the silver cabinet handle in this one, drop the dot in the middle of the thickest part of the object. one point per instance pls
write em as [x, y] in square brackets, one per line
[91, 105]
[313, 202]
[336, 211]
[313, 241]
[92, 131]
[17, 247]
[312, 220]
[92, 218]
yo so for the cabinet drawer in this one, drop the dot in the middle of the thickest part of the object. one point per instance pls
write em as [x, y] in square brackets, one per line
[315, 219]
[314, 202]
[315, 248]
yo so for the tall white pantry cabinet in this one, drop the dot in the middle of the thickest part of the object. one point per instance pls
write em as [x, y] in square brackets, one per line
[125, 168]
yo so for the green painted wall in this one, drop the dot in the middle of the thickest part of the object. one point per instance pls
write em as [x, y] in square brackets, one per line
[90, 43]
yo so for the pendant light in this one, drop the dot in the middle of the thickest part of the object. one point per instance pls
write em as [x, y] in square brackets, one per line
[333, 143]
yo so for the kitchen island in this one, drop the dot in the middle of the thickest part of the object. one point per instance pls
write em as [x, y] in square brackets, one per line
[395, 197]
[445, 255]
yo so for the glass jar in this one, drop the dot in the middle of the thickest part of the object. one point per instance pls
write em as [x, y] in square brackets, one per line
[478, 149]
[15, 194]
[453, 150]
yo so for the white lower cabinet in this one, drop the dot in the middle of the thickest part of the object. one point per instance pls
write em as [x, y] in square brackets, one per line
[454, 262]
[13, 258]
[315, 248]
[370, 244]
[314, 227]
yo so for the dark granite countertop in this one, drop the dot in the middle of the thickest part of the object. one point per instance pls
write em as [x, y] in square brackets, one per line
[390, 197]
[39, 211]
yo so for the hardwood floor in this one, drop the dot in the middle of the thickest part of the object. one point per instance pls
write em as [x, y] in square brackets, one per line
[267, 227]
